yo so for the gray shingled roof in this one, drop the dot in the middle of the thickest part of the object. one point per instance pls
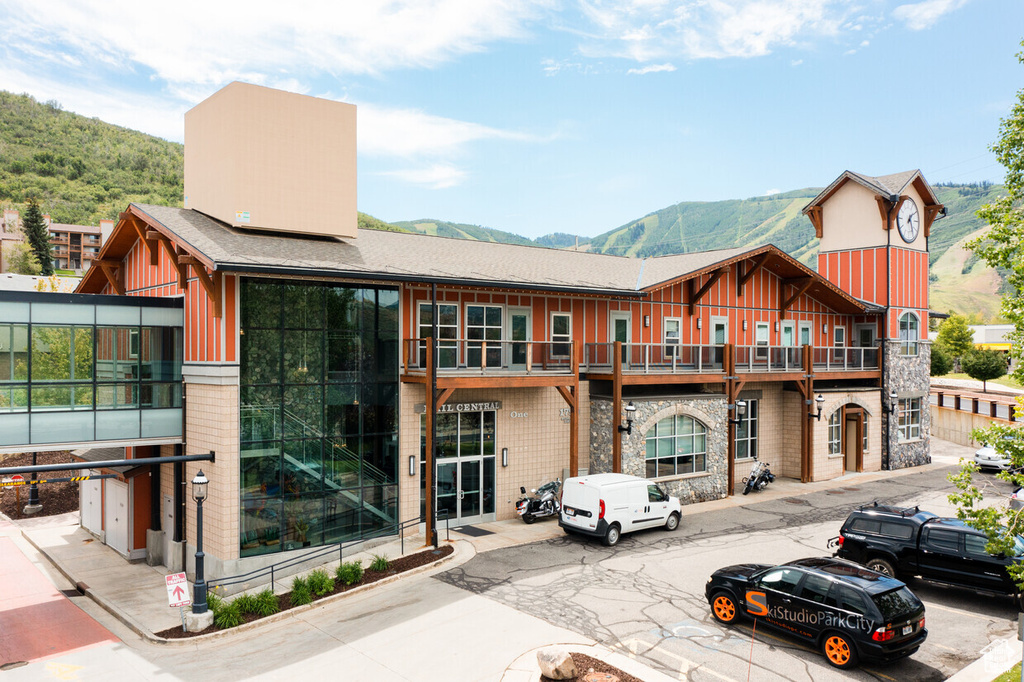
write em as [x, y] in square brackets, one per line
[888, 184]
[403, 256]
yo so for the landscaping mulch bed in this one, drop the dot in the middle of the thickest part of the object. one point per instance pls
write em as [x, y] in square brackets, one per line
[398, 565]
[55, 498]
[588, 664]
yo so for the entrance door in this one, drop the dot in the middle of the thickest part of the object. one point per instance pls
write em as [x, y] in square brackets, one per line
[788, 334]
[621, 332]
[519, 331]
[116, 516]
[719, 337]
[466, 468]
[853, 440]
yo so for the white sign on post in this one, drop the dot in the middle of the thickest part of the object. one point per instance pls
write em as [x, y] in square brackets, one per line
[177, 590]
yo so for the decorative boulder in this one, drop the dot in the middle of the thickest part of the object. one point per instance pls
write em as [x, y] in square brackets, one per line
[556, 663]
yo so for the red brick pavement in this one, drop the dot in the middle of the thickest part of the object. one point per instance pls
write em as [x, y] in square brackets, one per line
[36, 620]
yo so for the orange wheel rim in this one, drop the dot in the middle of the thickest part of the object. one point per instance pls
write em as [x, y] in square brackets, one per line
[837, 650]
[724, 608]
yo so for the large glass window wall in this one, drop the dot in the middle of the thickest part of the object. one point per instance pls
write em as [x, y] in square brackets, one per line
[319, 413]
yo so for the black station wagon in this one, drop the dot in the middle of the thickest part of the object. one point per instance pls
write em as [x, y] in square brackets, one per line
[846, 610]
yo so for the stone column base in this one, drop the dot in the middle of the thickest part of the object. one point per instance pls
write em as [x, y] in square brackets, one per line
[197, 622]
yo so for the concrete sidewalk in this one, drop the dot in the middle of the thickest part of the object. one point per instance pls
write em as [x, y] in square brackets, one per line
[135, 593]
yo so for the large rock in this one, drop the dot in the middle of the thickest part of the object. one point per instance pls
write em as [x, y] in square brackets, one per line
[556, 663]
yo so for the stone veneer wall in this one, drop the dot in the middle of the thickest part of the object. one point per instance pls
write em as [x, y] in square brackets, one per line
[910, 377]
[709, 410]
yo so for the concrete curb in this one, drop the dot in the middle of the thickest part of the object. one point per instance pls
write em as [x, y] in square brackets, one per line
[525, 667]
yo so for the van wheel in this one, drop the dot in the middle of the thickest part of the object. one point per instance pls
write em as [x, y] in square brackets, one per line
[611, 538]
[881, 566]
[839, 651]
[723, 608]
[673, 521]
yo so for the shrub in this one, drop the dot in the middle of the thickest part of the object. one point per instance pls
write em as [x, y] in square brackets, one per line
[350, 572]
[246, 603]
[320, 582]
[380, 563]
[267, 603]
[941, 362]
[214, 601]
[229, 615]
[301, 594]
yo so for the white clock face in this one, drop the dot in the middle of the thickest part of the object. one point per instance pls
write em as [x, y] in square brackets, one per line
[908, 221]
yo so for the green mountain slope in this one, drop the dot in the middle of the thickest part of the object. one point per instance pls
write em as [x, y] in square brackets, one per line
[440, 228]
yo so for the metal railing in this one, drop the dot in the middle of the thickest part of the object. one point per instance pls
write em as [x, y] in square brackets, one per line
[462, 356]
[844, 358]
[325, 551]
[653, 358]
[1002, 407]
[769, 358]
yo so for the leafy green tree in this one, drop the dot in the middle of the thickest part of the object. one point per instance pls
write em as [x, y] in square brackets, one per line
[19, 259]
[38, 237]
[941, 362]
[984, 366]
[1003, 247]
[955, 337]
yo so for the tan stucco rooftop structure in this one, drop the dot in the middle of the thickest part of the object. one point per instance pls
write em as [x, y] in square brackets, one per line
[259, 158]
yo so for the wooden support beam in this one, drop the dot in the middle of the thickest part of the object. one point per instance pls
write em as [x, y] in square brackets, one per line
[151, 245]
[741, 280]
[885, 210]
[429, 511]
[802, 284]
[695, 298]
[114, 273]
[617, 408]
[931, 211]
[443, 395]
[211, 284]
[814, 215]
[172, 254]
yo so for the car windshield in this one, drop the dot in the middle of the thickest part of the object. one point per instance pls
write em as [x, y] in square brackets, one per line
[896, 603]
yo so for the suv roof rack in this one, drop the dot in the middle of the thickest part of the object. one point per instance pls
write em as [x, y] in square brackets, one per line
[888, 509]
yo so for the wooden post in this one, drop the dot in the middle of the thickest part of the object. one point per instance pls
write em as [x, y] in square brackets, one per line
[731, 394]
[574, 411]
[429, 454]
[617, 408]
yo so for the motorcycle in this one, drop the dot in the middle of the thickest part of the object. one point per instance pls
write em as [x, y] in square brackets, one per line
[759, 478]
[544, 502]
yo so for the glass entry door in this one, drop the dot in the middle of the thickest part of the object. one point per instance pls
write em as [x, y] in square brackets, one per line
[465, 468]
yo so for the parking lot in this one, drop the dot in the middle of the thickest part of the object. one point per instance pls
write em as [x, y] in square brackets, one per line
[645, 597]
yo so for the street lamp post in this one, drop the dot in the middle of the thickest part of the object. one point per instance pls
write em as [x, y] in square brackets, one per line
[199, 486]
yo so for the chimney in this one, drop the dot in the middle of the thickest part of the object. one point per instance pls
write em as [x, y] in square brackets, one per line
[46, 219]
[259, 158]
[106, 227]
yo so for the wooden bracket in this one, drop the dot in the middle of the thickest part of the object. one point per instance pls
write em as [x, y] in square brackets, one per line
[814, 215]
[930, 213]
[568, 395]
[801, 283]
[210, 283]
[172, 254]
[442, 397]
[113, 271]
[695, 297]
[885, 210]
[745, 277]
[152, 248]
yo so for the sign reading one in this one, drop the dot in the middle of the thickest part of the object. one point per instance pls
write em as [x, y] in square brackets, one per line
[177, 590]
[421, 408]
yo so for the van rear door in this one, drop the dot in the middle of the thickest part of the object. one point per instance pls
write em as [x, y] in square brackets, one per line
[581, 504]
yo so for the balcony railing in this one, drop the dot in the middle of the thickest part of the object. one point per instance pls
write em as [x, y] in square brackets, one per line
[465, 356]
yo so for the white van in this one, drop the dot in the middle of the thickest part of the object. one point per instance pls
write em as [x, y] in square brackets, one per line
[607, 505]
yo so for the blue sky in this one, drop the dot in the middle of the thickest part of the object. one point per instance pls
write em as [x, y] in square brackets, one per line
[560, 115]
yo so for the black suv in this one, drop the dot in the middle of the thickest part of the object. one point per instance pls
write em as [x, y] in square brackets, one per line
[906, 542]
[845, 609]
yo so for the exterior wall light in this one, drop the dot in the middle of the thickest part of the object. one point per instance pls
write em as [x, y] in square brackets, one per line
[744, 325]
[647, 320]
[504, 457]
[699, 325]
[819, 402]
[412, 465]
[630, 411]
[740, 408]
[892, 405]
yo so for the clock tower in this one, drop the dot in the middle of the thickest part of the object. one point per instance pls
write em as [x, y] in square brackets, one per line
[873, 234]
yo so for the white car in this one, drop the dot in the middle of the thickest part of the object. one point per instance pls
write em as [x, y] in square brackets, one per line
[1017, 499]
[988, 458]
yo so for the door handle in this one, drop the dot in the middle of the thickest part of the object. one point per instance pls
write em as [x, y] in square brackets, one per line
[461, 494]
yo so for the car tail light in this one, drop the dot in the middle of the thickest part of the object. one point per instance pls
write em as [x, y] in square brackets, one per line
[883, 634]
[841, 541]
[601, 514]
[920, 623]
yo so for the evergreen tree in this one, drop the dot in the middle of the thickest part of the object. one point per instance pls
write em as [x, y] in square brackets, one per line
[941, 362]
[38, 237]
[955, 337]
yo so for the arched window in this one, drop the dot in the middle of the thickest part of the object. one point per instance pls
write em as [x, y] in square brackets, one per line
[835, 433]
[676, 445]
[910, 333]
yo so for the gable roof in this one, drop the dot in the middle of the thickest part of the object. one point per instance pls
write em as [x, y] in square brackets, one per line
[399, 256]
[888, 186]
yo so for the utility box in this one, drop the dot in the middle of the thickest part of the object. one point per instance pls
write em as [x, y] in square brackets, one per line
[259, 158]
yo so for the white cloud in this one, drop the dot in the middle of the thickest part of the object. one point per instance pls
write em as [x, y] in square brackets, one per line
[437, 176]
[653, 68]
[647, 30]
[922, 15]
[771, 192]
[212, 43]
[796, 62]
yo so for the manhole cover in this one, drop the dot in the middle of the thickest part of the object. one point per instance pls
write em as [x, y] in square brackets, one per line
[796, 500]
